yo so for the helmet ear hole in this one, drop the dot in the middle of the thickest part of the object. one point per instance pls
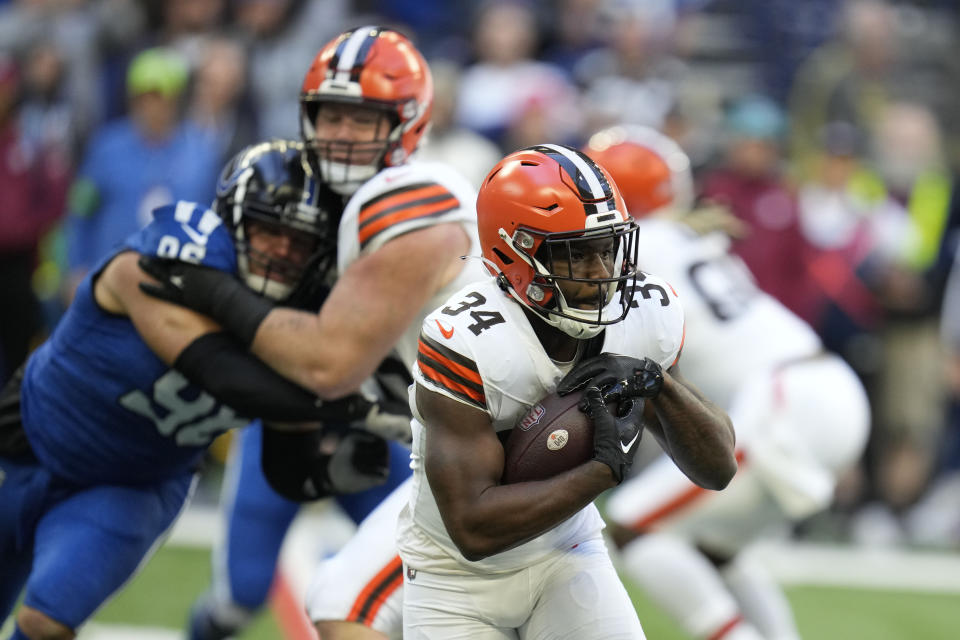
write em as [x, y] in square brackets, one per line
[310, 110]
[504, 257]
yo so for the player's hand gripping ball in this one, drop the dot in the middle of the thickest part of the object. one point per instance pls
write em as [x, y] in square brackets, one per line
[552, 437]
[559, 432]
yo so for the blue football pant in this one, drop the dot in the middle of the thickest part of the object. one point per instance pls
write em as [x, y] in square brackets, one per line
[74, 546]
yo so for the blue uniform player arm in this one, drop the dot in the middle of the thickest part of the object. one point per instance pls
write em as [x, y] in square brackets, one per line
[193, 343]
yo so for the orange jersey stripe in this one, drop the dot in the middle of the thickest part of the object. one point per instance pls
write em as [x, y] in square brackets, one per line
[684, 499]
[726, 628]
[409, 213]
[683, 338]
[443, 380]
[376, 592]
[471, 375]
[388, 590]
[399, 198]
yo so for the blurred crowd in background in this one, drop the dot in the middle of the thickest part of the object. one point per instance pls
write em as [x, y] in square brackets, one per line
[830, 127]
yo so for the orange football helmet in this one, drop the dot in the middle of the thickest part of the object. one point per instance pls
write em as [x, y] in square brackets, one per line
[533, 209]
[371, 67]
[651, 170]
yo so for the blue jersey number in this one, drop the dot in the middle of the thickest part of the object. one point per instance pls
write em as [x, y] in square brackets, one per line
[170, 247]
[191, 421]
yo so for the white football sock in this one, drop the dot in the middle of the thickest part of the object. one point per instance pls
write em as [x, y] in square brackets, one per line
[686, 586]
[760, 598]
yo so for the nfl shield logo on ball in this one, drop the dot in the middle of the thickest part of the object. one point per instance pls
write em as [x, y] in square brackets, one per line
[557, 439]
[533, 417]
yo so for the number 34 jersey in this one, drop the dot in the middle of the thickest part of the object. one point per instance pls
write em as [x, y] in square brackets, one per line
[480, 349]
[97, 404]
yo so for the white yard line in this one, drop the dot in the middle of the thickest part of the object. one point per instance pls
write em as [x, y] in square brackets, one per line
[858, 567]
[322, 529]
[96, 631]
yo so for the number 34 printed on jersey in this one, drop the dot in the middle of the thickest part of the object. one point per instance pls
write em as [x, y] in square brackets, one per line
[482, 319]
[648, 291]
[486, 319]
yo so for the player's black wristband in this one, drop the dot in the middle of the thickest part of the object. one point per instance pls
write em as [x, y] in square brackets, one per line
[209, 291]
[238, 309]
[220, 365]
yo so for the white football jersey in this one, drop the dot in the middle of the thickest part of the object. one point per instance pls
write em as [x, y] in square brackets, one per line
[480, 349]
[402, 199]
[733, 328]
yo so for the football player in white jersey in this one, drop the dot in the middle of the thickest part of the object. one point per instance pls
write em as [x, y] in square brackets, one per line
[488, 560]
[365, 106]
[801, 415]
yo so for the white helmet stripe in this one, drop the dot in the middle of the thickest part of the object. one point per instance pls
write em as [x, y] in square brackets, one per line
[350, 49]
[589, 174]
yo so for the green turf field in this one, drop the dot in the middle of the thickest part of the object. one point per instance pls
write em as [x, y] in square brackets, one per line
[161, 595]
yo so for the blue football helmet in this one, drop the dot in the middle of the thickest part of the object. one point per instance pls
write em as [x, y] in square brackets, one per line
[268, 191]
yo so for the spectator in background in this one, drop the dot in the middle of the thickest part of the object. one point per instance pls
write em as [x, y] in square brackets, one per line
[506, 80]
[468, 152]
[849, 78]
[575, 29]
[33, 185]
[856, 234]
[853, 230]
[634, 79]
[186, 24]
[47, 116]
[750, 181]
[280, 36]
[909, 156]
[906, 152]
[782, 33]
[135, 164]
[935, 520]
[440, 25]
[86, 35]
[219, 102]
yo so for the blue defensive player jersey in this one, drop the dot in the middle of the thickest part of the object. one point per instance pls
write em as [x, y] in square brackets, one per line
[97, 404]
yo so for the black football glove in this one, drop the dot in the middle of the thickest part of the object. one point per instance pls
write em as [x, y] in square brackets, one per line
[615, 437]
[309, 465]
[361, 461]
[212, 292]
[390, 420]
[617, 376]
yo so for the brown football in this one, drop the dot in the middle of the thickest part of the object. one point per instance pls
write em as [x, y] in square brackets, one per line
[552, 437]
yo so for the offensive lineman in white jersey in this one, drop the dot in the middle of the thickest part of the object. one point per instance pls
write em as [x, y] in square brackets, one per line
[365, 107]
[800, 414]
[490, 561]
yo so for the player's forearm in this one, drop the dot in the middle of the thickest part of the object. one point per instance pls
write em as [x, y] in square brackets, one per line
[236, 378]
[698, 435]
[505, 516]
[294, 344]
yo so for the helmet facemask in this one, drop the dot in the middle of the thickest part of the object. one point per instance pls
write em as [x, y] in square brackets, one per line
[367, 69]
[346, 164]
[281, 219]
[274, 276]
[557, 260]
